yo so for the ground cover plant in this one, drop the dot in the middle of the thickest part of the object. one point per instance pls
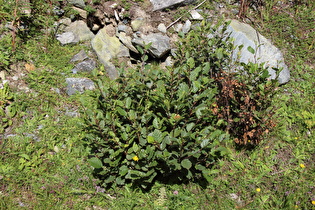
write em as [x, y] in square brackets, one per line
[45, 163]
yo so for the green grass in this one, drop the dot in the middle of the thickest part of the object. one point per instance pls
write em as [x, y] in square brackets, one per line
[43, 163]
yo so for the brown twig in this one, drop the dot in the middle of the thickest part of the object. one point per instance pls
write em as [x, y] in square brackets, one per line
[14, 24]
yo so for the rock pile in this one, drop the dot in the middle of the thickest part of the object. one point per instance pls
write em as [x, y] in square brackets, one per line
[115, 32]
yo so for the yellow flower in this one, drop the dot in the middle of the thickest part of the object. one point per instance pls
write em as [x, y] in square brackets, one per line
[135, 158]
[302, 165]
[258, 189]
[313, 202]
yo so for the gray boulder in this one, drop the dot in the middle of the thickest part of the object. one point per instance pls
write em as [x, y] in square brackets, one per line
[75, 32]
[77, 3]
[67, 38]
[163, 4]
[265, 52]
[76, 85]
[160, 43]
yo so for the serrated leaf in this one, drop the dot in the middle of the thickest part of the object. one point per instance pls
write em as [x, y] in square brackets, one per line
[186, 163]
[95, 162]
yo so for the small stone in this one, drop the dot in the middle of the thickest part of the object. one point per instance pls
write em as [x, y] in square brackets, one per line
[195, 15]
[186, 27]
[162, 28]
[81, 12]
[81, 56]
[178, 27]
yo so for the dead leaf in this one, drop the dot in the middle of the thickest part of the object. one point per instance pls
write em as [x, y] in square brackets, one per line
[29, 67]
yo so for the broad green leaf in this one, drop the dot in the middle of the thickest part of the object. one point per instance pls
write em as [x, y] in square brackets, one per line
[25, 156]
[204, 143]
[120, 181]
[190, 126]
[135, 147]
[251, 50]
[101, 124]
[110, 179]
[121, 111]
[219, 53]
[200, 167]
[150, 139]
[123, 170]
[156, 123]
[199, 111]
[95, 162]
[128, 102]
[186, 163]
[191, 62]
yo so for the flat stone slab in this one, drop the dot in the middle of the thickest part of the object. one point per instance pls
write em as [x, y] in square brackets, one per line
[78, 85]
[160, 44]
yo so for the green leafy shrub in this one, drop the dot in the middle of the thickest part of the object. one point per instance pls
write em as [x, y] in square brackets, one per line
[167, 124]
[7, 108]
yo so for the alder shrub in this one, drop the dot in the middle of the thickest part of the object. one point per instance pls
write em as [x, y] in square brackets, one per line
[172, 125]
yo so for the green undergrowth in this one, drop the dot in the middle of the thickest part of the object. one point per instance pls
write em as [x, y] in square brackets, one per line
[44, 162]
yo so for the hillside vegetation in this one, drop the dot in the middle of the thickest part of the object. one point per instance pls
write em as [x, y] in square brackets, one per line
[194, 136]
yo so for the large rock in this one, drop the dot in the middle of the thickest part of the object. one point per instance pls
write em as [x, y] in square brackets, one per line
[160, 43]
[265, 52]
[163, 4]
[108, 47]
